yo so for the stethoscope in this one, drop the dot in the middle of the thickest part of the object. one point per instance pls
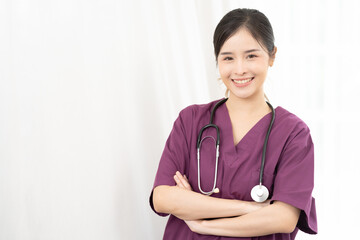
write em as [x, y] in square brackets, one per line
[259, 193]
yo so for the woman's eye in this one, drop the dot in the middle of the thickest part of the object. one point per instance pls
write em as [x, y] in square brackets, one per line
[252, 56]
[228, 58]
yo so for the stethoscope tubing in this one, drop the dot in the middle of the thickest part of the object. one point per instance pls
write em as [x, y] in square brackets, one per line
[217, 144]
[259, 198]
[265, 144]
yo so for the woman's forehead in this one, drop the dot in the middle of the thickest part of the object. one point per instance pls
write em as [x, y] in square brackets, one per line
[241, 41]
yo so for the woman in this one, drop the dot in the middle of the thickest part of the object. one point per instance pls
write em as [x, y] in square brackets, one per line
[244, 50]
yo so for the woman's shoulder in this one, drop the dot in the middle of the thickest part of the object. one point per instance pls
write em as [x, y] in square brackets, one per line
[290, 121]
[198, 110]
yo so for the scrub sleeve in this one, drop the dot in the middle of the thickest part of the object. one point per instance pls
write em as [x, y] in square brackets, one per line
[294, 179]
[174, 156]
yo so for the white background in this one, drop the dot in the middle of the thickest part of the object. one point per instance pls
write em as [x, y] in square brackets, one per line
[89, 91]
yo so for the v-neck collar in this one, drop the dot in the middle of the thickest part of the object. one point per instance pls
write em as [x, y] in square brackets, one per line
[249, 139]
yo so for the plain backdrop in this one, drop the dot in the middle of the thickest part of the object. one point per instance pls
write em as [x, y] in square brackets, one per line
[89, 90]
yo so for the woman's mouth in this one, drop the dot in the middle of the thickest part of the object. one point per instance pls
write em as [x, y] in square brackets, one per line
[242, 82]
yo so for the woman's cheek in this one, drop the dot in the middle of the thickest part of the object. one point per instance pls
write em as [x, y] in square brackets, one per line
[225, 72]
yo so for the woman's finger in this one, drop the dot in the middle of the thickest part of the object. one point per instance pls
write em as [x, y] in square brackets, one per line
[184, 180]
[178, 182]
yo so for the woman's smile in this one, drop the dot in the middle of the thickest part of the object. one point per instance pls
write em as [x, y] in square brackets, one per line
[242, 82]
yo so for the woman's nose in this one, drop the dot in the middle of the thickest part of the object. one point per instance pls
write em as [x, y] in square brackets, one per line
[240, 67]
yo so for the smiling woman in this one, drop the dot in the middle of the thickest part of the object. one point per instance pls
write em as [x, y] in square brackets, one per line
[244, 50]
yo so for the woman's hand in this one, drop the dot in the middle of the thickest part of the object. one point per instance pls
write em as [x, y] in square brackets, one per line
[195, 226]
[182, 181]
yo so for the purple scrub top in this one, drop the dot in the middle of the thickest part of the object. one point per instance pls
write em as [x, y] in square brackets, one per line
[288, 173]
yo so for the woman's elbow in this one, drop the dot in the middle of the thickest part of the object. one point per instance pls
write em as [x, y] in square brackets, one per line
[284, 225]
[289, 227]
[293, 220]
[165, 200]
[160, 199]
[289, 217]
[157, 199]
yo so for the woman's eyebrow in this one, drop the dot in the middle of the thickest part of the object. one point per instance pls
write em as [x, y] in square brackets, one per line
[251, 50]
[247, 51]
[226, 53]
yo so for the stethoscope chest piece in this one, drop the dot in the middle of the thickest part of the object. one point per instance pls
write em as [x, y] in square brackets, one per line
[259, 193]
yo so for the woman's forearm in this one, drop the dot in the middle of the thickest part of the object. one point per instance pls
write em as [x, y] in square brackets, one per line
[189, 205]
[276, 218]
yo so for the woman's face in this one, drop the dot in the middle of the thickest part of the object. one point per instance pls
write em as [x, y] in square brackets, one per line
[243, 65]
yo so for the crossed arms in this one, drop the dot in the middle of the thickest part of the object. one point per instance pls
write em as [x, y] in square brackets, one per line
[233, 218]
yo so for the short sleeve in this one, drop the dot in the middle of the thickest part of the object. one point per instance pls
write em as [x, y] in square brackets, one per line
[294, 179]
[174, 156]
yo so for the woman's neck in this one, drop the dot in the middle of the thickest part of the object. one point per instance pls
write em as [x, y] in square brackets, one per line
[247, 107]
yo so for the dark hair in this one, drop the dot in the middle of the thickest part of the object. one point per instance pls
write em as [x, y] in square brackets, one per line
[253, 20]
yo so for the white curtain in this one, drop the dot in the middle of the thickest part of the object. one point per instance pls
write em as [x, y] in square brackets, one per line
[89, 90]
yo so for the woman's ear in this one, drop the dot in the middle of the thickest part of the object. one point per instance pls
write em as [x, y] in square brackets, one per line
[272, 57]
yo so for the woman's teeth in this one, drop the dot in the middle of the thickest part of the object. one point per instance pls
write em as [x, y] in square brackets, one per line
[243, 81]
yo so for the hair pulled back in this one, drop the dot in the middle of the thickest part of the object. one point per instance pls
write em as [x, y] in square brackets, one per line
[253, 20]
